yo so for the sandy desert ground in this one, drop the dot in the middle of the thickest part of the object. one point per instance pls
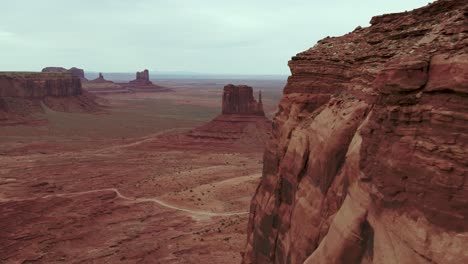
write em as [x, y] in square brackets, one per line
[126, 186]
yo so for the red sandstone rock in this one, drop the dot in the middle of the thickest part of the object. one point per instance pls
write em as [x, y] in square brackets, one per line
[242, 120]
[240, 100]
[39, 85]
[142, 79]
[367, 162]
[21, 95]
[142, 82]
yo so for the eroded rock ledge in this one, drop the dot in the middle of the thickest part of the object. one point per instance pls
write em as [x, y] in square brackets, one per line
[368, 161]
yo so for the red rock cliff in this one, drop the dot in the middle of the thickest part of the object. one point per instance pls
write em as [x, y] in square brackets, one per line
[39, 85]
[368, 158]
[240, 100]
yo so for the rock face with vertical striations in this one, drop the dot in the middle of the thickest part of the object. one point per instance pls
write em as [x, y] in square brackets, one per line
[242, 120]
[368, 157]
[23, 94]
[240, 100]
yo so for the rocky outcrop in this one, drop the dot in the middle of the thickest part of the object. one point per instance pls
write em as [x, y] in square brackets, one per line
[242, 120]
[74, 71]
[142, 79]
[240, 100]
[142, 83]
[143, 76]
[100, 79]
[367, 161]
[23, 94]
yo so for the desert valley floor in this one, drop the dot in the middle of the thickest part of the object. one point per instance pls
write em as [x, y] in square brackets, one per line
[126, 185]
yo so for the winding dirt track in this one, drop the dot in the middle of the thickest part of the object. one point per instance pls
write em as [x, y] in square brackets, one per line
[145, 200]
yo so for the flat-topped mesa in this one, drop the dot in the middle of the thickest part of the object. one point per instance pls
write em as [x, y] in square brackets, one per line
[23, 96]
[39, 85]
[142, 78]
[239, 100]
[74, 71]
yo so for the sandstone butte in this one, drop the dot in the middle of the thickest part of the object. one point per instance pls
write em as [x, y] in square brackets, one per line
[142, 78]
[23, 93]
[368, 157]
[242, 119]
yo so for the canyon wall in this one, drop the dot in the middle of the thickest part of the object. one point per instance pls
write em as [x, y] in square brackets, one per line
[368, 158]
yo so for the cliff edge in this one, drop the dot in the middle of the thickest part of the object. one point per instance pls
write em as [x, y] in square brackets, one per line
[368, 157]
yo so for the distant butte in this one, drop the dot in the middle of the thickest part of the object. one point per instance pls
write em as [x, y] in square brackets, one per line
[242, 120]
[100, 79]
[240, 100]
[142, 78]
[74, 71]
[142, 83]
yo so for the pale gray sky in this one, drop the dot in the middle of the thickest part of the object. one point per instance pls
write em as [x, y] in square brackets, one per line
[204, 36]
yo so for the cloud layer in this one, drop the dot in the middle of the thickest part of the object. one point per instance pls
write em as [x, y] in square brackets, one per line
[205, 36]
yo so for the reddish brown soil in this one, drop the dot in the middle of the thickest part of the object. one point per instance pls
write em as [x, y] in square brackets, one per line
[100, 205]
[88, 189]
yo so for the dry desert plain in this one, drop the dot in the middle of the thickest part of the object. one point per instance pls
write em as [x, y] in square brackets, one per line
[127, 185]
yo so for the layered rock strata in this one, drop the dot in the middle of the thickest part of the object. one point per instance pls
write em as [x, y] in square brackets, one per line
[368, 157]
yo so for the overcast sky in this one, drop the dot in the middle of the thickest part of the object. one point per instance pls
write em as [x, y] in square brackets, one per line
[204, 36]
